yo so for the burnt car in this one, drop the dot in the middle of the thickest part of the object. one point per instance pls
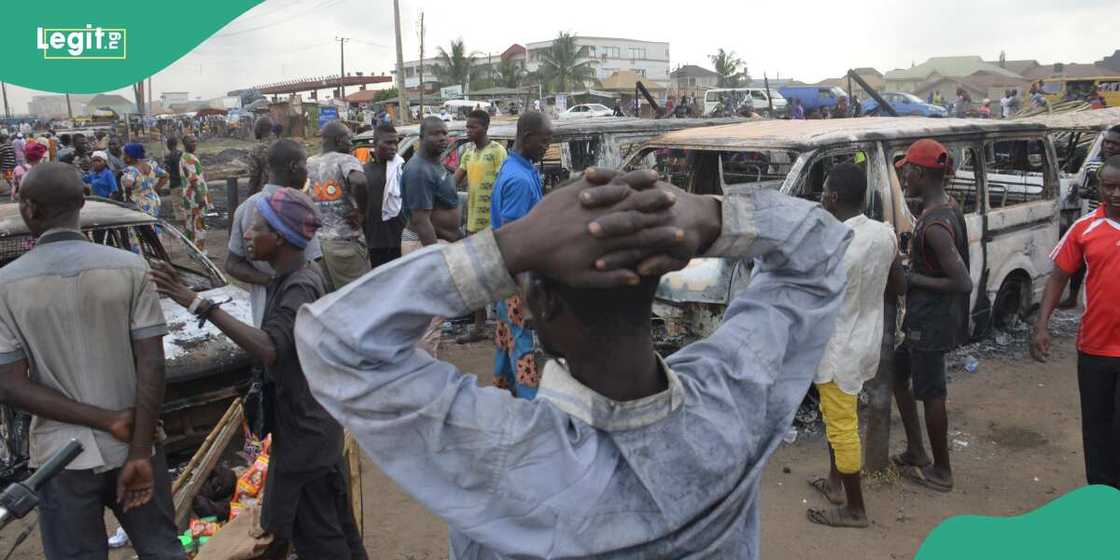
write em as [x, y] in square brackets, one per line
[205, 370]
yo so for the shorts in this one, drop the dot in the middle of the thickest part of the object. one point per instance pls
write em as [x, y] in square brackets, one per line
[924, 369]
[841, 425]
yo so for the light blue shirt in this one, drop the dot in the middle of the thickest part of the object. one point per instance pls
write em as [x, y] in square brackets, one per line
[573, 474]
[516, 190]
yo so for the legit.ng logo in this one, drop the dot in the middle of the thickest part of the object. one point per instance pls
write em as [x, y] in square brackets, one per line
[88, 43]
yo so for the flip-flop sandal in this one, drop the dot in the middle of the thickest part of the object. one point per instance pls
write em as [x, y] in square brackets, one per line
[829, 518]
[818, 485]
[903, 460]
[918, 476]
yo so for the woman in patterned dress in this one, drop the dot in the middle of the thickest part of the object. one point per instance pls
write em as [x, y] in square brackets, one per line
[515, 364]
[196, 195]
[141, 180]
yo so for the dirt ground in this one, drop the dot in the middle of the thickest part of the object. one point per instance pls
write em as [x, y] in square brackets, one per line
[1015, 428]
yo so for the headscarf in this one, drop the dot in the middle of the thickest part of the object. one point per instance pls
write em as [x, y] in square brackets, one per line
[292, 214]
[134, 150]
[101, 155]
[34, 152]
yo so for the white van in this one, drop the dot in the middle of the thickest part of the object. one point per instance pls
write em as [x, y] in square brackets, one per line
[760, 100]
[457, 107]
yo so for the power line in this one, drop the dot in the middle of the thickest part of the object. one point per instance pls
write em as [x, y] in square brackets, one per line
[322, 5]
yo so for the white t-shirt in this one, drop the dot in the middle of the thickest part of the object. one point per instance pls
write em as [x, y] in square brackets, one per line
[1005, 104]
[852, 355]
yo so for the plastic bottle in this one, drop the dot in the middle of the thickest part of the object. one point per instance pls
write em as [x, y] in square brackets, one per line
[971, 363]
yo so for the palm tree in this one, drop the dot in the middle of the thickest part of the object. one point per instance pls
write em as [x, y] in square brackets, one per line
[727, 66]
[566, 63]
[455, 67]
[509, 73]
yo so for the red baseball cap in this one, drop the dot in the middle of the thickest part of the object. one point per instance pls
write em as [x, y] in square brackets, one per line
[926, 153]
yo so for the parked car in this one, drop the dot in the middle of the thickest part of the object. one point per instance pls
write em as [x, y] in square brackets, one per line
[759, 99]
[905, 104]
[205, 370]
[813, 98]
[1010, 208]
[586, 110]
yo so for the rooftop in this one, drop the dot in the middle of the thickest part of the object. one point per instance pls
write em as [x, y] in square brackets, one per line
[809, 134]
[950, 66]
[693, 71]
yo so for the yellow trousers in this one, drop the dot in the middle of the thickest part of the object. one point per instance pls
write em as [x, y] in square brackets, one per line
[841, 425]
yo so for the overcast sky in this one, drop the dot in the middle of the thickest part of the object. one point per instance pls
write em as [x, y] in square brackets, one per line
[288, 39]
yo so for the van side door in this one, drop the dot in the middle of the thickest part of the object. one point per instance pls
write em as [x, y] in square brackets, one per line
[1021, 185]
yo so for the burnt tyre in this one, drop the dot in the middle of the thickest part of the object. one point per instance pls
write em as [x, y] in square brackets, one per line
[1007, 310]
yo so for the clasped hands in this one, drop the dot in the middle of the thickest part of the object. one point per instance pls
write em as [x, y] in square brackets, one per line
[609, 229]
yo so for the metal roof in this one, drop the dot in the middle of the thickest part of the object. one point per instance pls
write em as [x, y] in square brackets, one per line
[950, 66]
[97, 212]
[1096, 119]
[808, 134]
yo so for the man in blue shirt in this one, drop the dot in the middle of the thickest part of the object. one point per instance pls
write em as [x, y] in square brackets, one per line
[516, 191]
[518, 186]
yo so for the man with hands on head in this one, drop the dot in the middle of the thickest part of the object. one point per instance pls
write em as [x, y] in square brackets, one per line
[622, 454]
[81, 348]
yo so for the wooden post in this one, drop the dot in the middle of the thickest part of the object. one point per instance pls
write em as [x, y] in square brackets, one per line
[353, 456]
[877, 446]
[232, 196]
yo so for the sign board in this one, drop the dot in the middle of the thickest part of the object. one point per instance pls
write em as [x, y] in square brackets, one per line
[451, 92]
[412, 82]
[327, 114]
[561, 103]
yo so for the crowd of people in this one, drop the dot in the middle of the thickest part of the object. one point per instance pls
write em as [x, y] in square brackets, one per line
[118, 172]
[593, 445]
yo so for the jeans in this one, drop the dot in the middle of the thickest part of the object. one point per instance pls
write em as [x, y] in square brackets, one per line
[1100, 423]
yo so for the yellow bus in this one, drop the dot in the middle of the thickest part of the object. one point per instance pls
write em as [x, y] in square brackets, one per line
[1058, 90]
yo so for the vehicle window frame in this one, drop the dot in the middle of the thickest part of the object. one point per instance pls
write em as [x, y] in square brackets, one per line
[895, 149]
[1049, 173]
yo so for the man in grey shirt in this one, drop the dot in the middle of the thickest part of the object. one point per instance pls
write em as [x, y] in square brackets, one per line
[81, 348]
[283, 172]
[622, 454]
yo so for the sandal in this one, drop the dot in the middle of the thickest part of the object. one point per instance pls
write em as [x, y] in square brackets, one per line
[920, 476]
[819, 486]
[832, 518]
[904, 459]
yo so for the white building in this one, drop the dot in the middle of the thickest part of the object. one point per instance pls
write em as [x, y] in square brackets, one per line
[648, 59]
[168, 97]
[54, 106]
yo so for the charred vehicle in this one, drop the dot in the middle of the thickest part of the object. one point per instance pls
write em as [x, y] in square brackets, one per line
[205, 370]
[1078, 137]
[1005, 180]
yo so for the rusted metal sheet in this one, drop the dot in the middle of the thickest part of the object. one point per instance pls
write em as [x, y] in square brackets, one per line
[810, 134]
[1096, 119]
[192, 351]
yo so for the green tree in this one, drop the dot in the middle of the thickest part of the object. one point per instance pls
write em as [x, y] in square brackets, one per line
[566, 64]
[455, 67]
[385, 95]
[727, 65]
[508, 73]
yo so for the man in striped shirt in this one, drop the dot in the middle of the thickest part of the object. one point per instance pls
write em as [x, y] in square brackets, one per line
[7, 158]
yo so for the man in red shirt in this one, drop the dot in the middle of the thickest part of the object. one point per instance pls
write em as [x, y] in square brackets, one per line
[1095, 241]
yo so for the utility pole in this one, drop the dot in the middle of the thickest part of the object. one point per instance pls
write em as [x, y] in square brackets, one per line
[341, 65]
[69, 111]
[150, 93]
[7, 113]
[421, 64]
[402, 96]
